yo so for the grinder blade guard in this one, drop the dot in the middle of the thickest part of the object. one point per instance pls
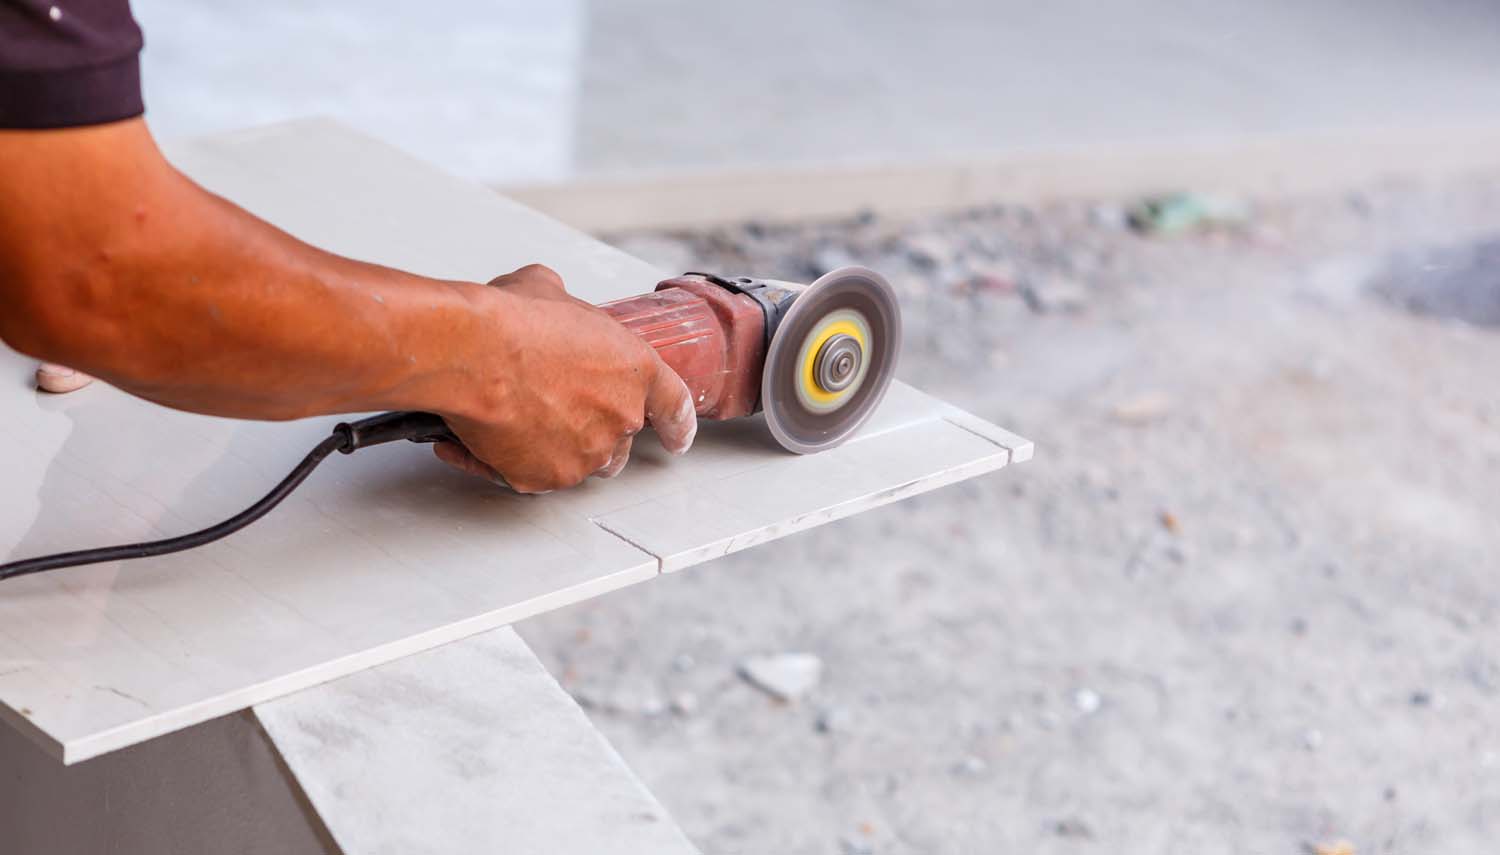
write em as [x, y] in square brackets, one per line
[831, 359]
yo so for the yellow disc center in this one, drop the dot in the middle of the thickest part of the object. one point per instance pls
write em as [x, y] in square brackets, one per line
[808, 375]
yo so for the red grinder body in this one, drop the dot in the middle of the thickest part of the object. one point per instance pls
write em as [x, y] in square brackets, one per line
[712, 336]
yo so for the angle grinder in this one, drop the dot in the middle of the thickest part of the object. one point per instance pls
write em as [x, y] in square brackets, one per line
[816, 359]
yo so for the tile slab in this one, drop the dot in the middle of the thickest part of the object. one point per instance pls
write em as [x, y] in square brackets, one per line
[472, 747]
[384, 553]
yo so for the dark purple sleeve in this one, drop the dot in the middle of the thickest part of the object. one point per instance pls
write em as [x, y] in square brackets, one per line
[68, 62]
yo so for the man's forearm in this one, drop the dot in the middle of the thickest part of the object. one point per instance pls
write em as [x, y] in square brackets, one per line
[176, 295]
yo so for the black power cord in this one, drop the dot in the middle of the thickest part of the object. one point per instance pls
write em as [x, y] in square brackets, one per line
[346, 438]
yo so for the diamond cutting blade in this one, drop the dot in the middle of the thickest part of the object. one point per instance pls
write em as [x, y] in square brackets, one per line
[831, 359]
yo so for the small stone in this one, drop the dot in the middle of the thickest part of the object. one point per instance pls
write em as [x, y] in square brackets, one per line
[981, 283]
[1109, 215]
[1420, 698]
[996, 277]
[1170, 522]
[683, 663]
[1142, 409]
[1298, 626]
[971, 766]
[1180, 212]
[684, 703]
[926, 252]
[1312, 740]
[854, 846]
[1073, 827]
[1054, 295]
[832, 720]
[1176, 553]
[786, 676]
[1087, 701]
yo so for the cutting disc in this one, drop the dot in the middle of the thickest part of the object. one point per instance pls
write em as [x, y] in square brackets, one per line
[831, 359]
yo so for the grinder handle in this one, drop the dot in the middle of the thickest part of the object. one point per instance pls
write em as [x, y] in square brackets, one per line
[390, 427]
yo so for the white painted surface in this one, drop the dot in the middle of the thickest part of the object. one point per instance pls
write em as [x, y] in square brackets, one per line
[673, 84]
[485, 87]
[471, 747]
[506, 90]
[386, 552]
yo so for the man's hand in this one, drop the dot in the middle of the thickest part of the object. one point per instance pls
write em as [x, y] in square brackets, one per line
[114, 263]
[569, 391]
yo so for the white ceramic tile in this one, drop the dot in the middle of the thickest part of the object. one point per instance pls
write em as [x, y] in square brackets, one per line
[377, 555]
[472, 747]
[780, 496]
[386, 552]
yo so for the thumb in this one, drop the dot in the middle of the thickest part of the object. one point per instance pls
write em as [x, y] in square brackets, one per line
[669, 409]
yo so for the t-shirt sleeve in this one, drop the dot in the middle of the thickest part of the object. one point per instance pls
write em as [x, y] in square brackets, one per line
[65, 63]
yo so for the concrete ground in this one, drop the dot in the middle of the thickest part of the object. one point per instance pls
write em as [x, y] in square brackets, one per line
[1243, 600]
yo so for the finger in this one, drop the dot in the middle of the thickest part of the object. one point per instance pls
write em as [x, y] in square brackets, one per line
[617, 459]
[459, 458]
[669, 409]
[51, 377]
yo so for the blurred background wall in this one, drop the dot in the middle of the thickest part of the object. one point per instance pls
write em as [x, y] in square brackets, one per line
[515, 92]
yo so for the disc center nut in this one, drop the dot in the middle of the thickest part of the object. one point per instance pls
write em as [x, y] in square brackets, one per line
[838, 362]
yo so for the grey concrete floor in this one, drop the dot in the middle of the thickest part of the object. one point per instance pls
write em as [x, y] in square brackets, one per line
[1243, 600]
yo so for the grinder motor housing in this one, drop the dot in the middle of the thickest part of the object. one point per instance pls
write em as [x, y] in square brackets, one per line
[713, 332]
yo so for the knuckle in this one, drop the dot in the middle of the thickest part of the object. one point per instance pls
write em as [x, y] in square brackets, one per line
[566, 475]
[541, 272]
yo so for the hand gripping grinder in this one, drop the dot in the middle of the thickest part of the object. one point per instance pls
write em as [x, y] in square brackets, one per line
[816, 359]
